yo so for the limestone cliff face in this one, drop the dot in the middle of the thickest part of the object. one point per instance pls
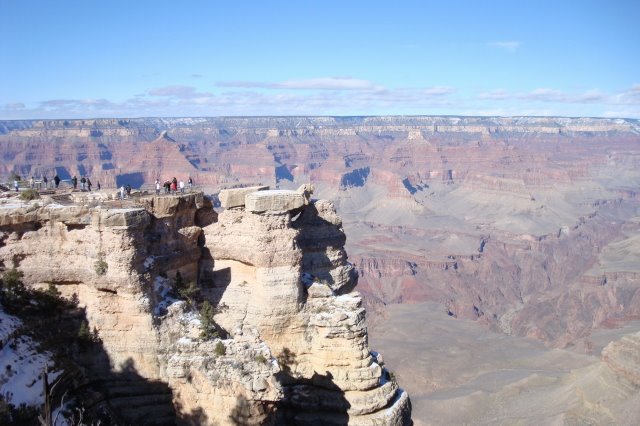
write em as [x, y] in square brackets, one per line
[285, 273]
[294, 342]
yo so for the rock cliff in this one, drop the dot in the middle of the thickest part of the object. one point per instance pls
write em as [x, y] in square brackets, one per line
[290, 344]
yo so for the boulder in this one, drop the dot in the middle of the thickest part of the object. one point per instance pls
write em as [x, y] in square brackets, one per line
[319, 290]
[230, 198]
[274, 201]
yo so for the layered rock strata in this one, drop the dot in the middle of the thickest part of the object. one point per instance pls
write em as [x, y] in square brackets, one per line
[623, 357]
[293, 341]
[285, 272]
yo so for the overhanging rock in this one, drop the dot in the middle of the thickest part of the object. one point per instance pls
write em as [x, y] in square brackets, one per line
[230, 198]
[274, 201]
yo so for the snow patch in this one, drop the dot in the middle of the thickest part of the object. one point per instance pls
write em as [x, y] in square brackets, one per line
[190, 318]
[148, 262]
[21, 365]
[162, 287]
[184, 340]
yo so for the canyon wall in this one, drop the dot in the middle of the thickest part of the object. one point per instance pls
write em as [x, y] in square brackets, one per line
[503, 220]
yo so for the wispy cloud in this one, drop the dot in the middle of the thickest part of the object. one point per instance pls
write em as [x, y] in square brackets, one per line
[15, 106]
[494, 95]
[76, 103]
[629, 97]
[438, 91]
[180, 100]
[175, 90]
[183, 100]
[545, 95]
[324, 83]
[550, 101]
[508, 46]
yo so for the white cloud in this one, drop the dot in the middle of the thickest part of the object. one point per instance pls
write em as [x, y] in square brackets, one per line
[508, 46]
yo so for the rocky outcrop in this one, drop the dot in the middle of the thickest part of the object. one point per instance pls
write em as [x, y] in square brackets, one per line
[623, 357]
[230, 198]
[608, 391]
[285, 273]
[292, 342]
[276, 201]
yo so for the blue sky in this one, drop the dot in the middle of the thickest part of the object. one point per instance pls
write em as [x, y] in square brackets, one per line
[90, 58]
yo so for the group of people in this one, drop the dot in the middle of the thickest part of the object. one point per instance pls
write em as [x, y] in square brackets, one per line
[172, 186]
[85, 183]
[125, 190]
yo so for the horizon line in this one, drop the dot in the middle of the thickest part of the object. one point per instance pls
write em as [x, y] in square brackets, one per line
[320, 116]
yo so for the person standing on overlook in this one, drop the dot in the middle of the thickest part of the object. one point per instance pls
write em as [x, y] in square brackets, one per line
[74, 181]
[56, 180]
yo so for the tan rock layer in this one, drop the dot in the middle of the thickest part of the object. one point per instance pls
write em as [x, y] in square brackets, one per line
[288, 347]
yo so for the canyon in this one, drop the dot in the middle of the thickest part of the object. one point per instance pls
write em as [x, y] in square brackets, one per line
[526, 227]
